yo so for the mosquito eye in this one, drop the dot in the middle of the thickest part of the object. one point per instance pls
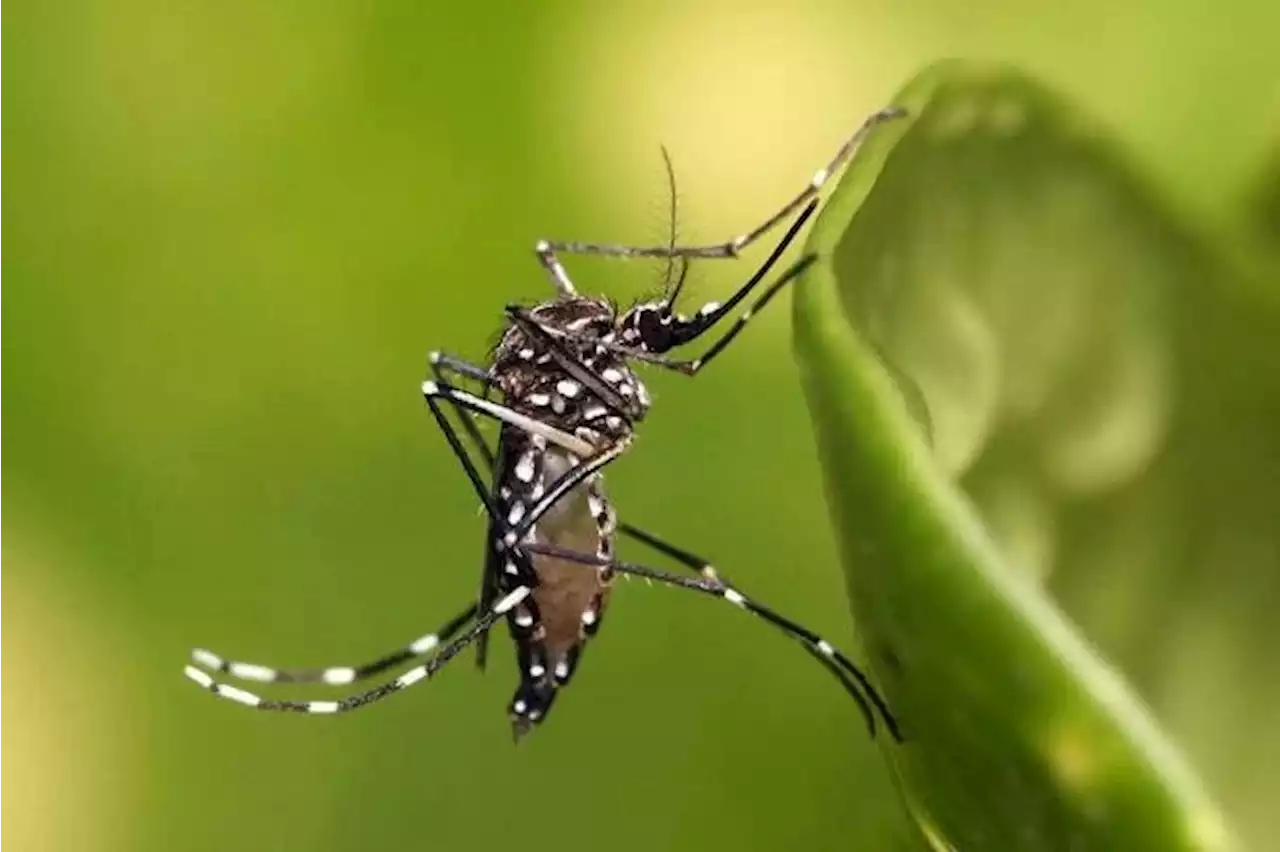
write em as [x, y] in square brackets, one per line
[656, 336]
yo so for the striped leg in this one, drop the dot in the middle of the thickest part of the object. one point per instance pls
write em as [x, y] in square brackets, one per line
[731, 248]
[442, 362]
[336, 675]
[696, 563]
[354, 702]
[457, 397]
[861, 688]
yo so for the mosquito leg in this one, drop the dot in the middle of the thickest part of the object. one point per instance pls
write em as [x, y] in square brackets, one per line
[705, 569]
[353, 702]
[468, 419]
[437, 390]
[442, 365]
[520, 518]
[731, 248]
[521, 523]
[682, 330]
[443, 362]
[555, 269]
[719, 588]
[459, 450]
[693, 367]
[336, 675]
[679, 554]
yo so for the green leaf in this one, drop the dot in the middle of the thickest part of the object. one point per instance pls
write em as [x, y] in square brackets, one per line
[986, 344]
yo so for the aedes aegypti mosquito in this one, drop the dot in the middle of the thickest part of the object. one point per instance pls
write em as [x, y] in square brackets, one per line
[570, 402]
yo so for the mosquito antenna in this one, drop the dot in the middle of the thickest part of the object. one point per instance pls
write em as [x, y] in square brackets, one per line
[672, 210]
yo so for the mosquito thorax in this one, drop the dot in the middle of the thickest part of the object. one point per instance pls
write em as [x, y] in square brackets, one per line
[602, 402]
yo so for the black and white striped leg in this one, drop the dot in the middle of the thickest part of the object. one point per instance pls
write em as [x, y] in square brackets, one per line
[705, 569]
[694, 366]
[443, 364]
[354, 702]
[571, 479]
[676, 330]
[334, 675]
[521, 519]
[545, 252]
[467, 418]
[433, 391]
[865, 691]
[730, 248]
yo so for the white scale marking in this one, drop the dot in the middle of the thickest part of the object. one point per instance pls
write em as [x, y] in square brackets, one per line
[252, 671]
[594, 411]
[539, 399]
[611, 375]
[322, 707]
[198, 676]
[537, 670]
[516, 513]
[515, 418]
[511, 600]
[208, 659]
[734, 597]
[524, 468]
[595, 505]
[519, 706]
[562, 670]
[824, 647]
[239, 696]
[412, 676]
[338, 676]
[589, 617]
[425, 644]
[524, 619]
[512, 569]
[709, 308]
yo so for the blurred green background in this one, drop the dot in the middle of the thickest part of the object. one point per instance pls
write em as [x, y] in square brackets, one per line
[234, 232]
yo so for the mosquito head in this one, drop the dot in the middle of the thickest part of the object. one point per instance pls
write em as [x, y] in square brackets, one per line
[654, 327]
[647, 327]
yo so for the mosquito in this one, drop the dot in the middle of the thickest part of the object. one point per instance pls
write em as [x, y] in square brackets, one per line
[568, 404]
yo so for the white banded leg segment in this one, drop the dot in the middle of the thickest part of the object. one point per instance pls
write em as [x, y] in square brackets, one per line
[333, 675]
[562, 439]
[446, 653]
[732, 247]
[853, 679]
[555, 269]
